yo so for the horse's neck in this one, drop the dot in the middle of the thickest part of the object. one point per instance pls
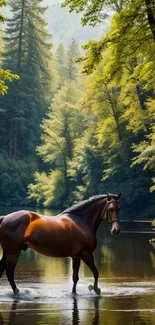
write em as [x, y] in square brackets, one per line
[93, 216]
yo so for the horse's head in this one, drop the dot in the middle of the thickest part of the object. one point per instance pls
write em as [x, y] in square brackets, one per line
[111, 214]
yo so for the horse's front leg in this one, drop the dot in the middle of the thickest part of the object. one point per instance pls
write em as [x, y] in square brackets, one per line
[76, 266]
[89, 261]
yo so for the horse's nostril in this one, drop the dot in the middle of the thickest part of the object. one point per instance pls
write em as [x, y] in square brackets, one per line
[115, 232]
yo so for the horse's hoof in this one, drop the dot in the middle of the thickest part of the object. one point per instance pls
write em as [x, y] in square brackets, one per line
[97, 291]
[16, 292]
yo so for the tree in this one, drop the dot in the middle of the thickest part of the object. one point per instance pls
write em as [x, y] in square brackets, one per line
[145, 150]
[28, 98]
[66, 63]
[86, 167]
[116, 121]
[61, 65]
[28, 53]
[132, 29]
[72, 55]
[5, 75]
[63, 125]
[97, 11]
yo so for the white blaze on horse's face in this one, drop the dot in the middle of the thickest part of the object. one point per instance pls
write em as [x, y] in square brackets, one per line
[113, 217]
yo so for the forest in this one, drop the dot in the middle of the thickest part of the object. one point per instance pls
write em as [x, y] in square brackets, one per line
[77, 122]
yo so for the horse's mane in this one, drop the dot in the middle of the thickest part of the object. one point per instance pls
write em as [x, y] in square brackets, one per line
[76, 208]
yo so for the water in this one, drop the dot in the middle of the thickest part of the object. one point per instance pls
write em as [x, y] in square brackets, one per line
[127, 281]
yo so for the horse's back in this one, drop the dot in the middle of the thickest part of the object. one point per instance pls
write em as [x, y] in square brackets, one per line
[13, 220]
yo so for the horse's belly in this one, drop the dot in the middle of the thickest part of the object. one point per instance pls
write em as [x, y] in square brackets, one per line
[57, 238]
[56, 246]
[54, 251]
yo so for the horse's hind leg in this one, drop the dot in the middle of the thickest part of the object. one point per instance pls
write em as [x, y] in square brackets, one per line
[76, 266]
[10, 267]
[3, 263]
[89, 261]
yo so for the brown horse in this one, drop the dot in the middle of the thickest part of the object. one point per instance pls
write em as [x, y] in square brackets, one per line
[71, 233]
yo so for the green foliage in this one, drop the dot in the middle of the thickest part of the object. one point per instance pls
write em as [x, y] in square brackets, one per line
[92, 10]
[97, 133]
[2, 3]
[62, 126]
[27, 52]
[6, 75]
[131, 33]
[60, 130]
[65, 26]
[66, 67]
[72, 54]
[28, 98]
[15, 174]
[48, 189]
[145, 150]
[85, 169]
[61, 65]
[116, 115]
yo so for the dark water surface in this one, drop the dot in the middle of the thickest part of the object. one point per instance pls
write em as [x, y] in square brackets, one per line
[127, 281]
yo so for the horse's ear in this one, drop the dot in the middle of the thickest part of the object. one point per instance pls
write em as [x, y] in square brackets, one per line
[108, 197]
[118, 196]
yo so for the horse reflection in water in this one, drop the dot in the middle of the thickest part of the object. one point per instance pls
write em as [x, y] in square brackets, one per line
[76, 317]
[16, 315]
[76, 314]
[71, 233]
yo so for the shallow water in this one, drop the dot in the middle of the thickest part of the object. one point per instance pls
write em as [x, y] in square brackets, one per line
[127, 281]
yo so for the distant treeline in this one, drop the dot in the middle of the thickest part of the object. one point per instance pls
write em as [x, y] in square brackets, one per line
[66, 136]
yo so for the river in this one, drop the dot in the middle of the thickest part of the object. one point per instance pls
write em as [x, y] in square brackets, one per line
[127, 280]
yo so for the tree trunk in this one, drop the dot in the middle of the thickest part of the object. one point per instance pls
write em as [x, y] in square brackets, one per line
[10, 149]
[13, 139]
[20, 38]
[150, 16]
[113, 106]
[66, 177]
[140, 98]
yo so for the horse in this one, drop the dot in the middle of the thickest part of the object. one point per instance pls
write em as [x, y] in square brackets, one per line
[72, 233]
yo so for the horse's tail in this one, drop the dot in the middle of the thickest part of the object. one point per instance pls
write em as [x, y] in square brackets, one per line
[1, 219]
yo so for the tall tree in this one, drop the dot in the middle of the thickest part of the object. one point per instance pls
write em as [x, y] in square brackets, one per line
[28, 99]
[132, 24]
[5, 75]
[64, 124]
[61, 65]
[67, 67]
[96, 11]
[28, 53]
[145, 150]
[72, 55]
[116, 121]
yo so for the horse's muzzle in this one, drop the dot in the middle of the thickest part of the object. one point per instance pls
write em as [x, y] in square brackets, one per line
[115, 228]
[115, 232]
